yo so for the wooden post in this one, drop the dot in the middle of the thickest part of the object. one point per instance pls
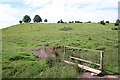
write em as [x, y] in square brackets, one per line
[64, 49]
[64, 57]
[101, 60]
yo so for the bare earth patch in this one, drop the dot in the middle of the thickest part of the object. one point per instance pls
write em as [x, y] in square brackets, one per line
[100, 77]
[46, 51]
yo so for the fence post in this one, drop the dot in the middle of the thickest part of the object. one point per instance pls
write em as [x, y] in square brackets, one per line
[64, 49]
[101, 60]
[64, 52]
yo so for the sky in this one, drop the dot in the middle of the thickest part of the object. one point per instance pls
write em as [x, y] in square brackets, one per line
[68, 10]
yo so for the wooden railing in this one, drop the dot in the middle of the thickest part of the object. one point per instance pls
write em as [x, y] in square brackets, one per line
[86, 61]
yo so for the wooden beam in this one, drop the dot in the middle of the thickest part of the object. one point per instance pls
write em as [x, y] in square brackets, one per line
[68, 62]
[84, 67]
[101, 60]
[89, 69]
[84, 61]
[82, 48]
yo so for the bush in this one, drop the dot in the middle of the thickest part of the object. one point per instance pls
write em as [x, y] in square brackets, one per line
[45, 20]
[102, 22]
[20, 22]
[71, 21]
[116, 24]
[58, 22]
[117, 21]
[88, 22]
[115, 28]
[65, 28]
[61, 21]
[107, 22]
[77, 22]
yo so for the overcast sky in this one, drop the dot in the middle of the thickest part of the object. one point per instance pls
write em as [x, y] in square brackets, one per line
[11, 11]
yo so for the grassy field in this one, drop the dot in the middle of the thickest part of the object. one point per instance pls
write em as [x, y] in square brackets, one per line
[18, 41]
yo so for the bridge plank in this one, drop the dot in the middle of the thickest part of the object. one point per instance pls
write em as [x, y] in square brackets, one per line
[84, 67]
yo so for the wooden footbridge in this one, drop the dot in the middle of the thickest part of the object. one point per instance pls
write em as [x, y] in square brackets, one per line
[87, 68]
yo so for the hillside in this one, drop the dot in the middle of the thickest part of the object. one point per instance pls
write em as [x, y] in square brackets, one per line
[18, 41]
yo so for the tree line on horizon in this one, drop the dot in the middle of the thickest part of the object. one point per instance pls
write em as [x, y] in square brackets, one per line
[27, 19]
[101, 22]
[37, 18]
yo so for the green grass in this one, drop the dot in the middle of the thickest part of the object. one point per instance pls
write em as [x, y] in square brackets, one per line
[19, 40]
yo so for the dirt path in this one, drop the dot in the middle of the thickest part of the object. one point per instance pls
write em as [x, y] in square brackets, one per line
[100, 77]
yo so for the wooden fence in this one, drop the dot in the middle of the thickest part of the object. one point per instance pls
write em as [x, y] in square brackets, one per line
[86, 61]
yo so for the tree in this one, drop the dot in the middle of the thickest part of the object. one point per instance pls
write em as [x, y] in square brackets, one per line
[58, 22]
[77, 21]
[107, 22]
[102, 22]
[45, 20]
[37, 18]
[61, 21]
[117, 22]
[71, 21]
[20, 21]
[26, 19]
[88, 22]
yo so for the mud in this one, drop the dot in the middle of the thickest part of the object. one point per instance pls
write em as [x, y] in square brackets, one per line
[46, 51]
